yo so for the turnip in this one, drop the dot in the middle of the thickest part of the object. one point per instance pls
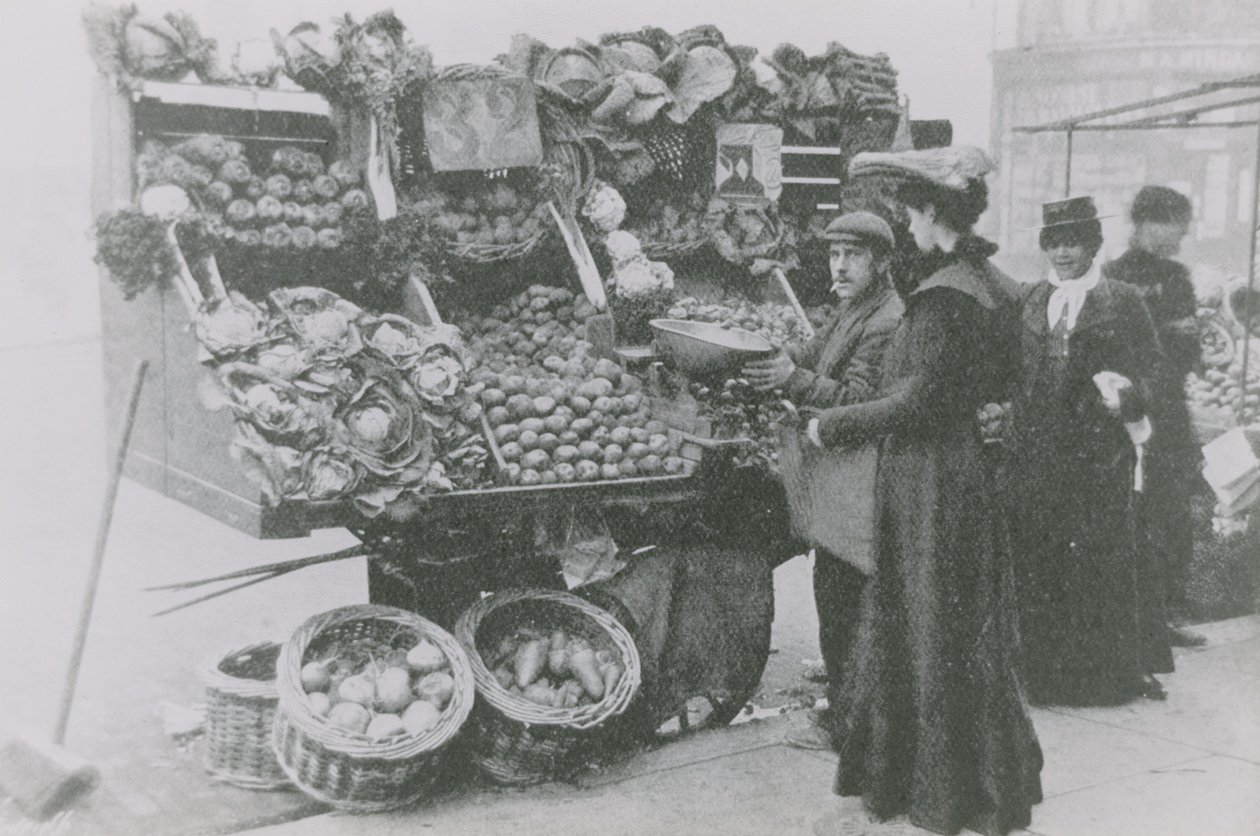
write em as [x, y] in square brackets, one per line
[393, 690]
[420, 717]
[319, 703]
[357, 689]
[425, 657]
[437, 688]
[385, 725]
[349, 716]
[315, 677]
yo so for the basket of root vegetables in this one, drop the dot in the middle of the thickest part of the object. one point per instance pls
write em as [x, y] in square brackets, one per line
[550, 669]
[369, 698]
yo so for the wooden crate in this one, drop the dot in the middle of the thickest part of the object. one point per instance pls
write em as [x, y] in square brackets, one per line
[179, 448]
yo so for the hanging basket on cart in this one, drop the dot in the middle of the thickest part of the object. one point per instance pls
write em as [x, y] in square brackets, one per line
[350, 770]
[240, 708]
[750, 235]
[565, 175]
[671, 229]
[514, 740]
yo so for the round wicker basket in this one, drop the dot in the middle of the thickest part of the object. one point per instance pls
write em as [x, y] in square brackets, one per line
[240, 710]
[350, 771]
[513, 740]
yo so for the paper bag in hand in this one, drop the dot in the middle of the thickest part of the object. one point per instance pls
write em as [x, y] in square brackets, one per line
[831, 496]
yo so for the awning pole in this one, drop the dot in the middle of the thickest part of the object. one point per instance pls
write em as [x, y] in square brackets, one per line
[1067, 168]
[1251, 282]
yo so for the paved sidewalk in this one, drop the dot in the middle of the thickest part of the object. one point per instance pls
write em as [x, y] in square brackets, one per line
[1184, 767]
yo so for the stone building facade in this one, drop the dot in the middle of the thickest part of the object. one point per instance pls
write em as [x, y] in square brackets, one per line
[1072, 57]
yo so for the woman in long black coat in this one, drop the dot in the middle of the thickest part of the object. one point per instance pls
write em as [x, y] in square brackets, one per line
[1091, 615]
[931, 722]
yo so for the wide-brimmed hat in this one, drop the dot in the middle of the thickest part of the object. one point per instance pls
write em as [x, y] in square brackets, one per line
[864, 227]
[955, 167]
[1069, 211]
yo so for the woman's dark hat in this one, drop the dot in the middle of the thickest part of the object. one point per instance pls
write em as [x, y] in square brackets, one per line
[1073, 210]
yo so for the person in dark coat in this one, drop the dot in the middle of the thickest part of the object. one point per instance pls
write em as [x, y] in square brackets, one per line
[1161, 219]
[1091, 609]
[840, 365]
[931, 721]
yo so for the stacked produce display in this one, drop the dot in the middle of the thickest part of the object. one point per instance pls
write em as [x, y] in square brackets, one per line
[557, 412]
[1218, 393]
[294, 203]
[315, 273]
[331, 402]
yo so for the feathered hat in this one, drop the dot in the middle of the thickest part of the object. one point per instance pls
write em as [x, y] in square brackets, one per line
[953, 167]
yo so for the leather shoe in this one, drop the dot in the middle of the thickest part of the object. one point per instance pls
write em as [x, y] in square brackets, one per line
[1181, 637]
[809, 736]
[1152, 689]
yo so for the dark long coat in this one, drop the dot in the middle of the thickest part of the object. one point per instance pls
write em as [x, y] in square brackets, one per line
[1173, 469]
[931, 722]
[1091, 615]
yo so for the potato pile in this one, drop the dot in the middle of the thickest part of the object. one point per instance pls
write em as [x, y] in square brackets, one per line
[558, 413]
[775, 322]
[1218, 389]
[296, 204]
[370, 688]
[555, 670]
[494, 215]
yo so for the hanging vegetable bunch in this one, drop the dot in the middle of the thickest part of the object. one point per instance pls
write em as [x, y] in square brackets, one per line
[332, 402]
[665, 225]
[133, 47]
[135, 251]
[370, 64]
[818, 96]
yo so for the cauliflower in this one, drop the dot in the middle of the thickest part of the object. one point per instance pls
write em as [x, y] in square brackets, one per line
[623, 248]
[166, 203]
[605, 208]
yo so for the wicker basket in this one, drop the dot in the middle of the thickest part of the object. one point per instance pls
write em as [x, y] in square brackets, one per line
[513, 740]
[350, 771]
[665, 250]
[568, 167]
[240, 710]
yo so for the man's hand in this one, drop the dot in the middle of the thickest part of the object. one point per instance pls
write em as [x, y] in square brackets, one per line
[765, 375]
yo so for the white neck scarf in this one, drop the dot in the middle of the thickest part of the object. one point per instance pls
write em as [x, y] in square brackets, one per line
[1069, 295]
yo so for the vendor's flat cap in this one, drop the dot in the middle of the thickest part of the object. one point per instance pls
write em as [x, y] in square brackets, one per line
[953, 167]
[861, 226]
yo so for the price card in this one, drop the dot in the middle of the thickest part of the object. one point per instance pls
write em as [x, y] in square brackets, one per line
[481, 124]
[749, 163]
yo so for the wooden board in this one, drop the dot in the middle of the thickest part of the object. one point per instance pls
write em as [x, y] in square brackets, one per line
[749, 163]
[481, 124]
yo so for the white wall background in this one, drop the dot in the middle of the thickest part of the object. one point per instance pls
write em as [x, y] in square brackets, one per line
[47, 281]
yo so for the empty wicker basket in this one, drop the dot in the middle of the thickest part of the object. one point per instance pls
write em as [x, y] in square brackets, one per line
[240, 709]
